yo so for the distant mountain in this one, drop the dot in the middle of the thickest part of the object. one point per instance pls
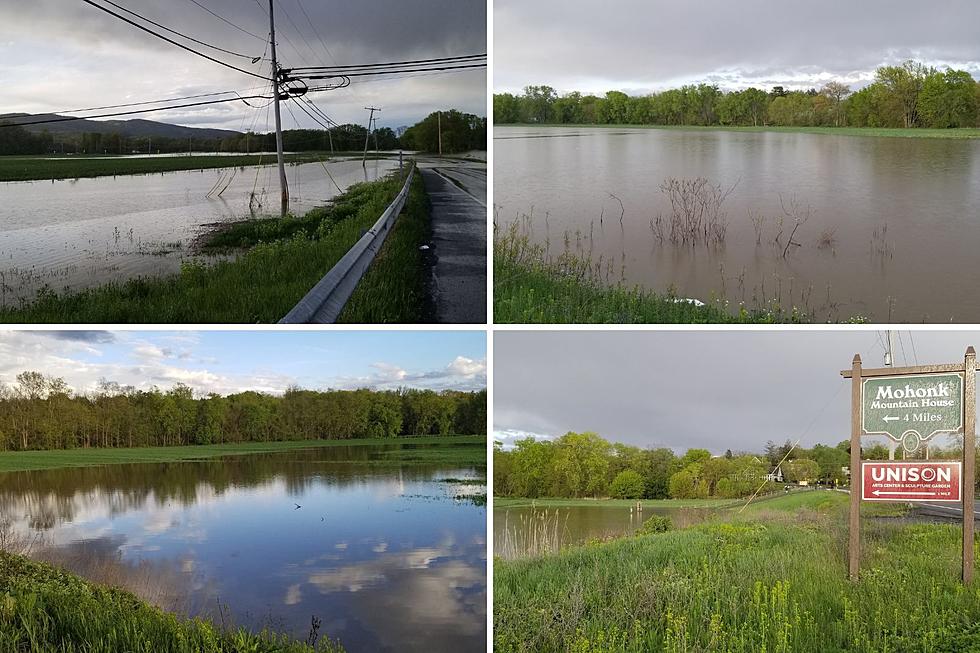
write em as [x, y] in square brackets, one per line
[131, 128]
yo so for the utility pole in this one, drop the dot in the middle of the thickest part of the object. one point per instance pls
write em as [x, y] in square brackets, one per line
[367, 136]
[439, 114]
[283, 188]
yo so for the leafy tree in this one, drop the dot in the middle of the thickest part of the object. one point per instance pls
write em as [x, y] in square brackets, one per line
[628, 484]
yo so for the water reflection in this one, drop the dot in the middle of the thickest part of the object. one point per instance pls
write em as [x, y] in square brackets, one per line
[384, 554]
[925, 193]
[85, 232]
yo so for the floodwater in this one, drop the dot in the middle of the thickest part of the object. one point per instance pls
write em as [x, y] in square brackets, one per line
[389, 556]
[525, 530]
[892, 232]
[86, 232]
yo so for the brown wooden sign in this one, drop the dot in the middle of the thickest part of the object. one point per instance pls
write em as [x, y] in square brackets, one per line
[910, 405]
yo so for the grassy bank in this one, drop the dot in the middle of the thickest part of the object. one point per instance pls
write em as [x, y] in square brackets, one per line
[505, 502]
[285, 259]
[44, 609]
[395, 289]
[469, 449]
[530, 286]
[877, 132]
[773, 579]
[25, 168]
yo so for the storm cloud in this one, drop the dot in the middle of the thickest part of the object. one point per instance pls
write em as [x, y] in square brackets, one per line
[66, 55]
[713, 389]
[639, 46]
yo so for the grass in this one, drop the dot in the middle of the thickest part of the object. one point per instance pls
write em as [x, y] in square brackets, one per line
[531, 287]
[11, 461]
[260, 285]
[25, 168]
[503, 502]
[395, 289]
[771, 580]
[44, 609]
[880, 132]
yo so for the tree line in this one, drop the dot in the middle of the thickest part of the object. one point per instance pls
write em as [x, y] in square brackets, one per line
[460, 132]
[906, 96]
[578, 465]
[42, 412]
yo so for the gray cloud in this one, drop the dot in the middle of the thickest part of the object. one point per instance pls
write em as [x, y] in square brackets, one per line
[93, 337]
[71, 55]
[645, 45]
[713, 389]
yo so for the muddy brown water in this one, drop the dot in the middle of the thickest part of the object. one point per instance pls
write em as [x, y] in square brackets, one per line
[388, 556]
[904, 214]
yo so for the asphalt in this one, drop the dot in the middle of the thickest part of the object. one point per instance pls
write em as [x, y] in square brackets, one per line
[459, 240]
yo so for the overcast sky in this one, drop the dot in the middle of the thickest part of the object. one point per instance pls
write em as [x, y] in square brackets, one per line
[710, 389]
[640, 46]
[265, 361]
[65, 54]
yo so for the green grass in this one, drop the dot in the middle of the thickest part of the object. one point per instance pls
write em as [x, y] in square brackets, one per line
[260, 285]
[880, 132]
[773, 581]
[504, 502]
[457, 449]
[395, 289]
[531, 287]
[47, 610]
[23, 168]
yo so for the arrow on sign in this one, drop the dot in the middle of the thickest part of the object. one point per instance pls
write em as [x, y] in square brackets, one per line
[880, 492]
[889, 418]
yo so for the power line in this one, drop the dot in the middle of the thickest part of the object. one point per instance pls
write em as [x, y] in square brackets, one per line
[242, 98]
[222, 18]
[390, 72]
[189, 38]
[290, 19]
[169, 40]
[146, 102]
[393, 63]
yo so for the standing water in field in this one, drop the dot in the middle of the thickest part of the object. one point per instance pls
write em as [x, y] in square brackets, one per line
[86, 232]
[390, 554]
[888, 227]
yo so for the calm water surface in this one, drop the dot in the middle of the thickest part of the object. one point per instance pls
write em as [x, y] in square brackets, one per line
[515, 530]
[924, 192]
[388, 556]
[85, 232]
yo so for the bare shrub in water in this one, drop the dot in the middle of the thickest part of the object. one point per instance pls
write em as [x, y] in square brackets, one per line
[696, 214]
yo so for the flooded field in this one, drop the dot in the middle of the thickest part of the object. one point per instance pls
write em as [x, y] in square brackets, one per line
[86, 232]
[887, 227]
[390, 556]
[526, 530]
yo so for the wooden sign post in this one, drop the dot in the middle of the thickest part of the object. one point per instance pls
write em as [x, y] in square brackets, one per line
[911, 405]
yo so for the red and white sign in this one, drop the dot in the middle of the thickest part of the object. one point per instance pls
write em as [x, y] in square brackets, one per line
[889, 480]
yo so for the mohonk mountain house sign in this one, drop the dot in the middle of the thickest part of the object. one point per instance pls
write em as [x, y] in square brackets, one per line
[910, 406]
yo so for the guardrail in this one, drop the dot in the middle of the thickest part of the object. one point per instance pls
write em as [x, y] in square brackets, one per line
[323, 304]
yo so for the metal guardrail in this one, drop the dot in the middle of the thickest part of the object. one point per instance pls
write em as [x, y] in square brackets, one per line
[323, 304]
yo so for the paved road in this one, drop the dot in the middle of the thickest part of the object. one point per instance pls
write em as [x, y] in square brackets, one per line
[459, 238]
[949, 510]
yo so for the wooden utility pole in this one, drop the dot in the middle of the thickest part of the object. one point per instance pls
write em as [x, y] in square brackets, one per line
[283, 188]
[854, 528]
[439, 119]
[969, 457]
[367, 136]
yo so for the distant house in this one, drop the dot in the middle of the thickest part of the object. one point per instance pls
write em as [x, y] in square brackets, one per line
[776, 475]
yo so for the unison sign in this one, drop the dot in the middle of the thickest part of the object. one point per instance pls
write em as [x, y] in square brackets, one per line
[912, 408]
[910, 405]
[911, 481]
